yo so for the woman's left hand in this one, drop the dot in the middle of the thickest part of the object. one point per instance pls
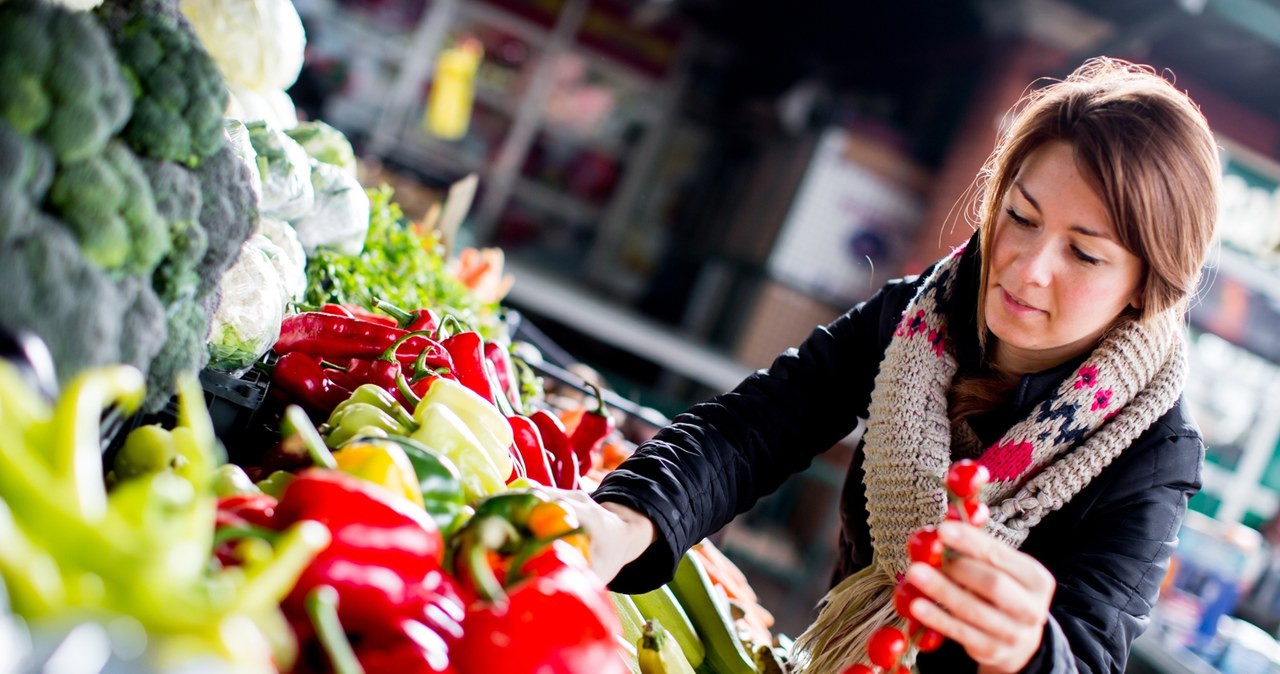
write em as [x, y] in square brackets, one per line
[991, 599]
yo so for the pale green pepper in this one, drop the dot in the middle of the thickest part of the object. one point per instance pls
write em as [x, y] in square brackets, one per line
[440, 429]
[487, 425]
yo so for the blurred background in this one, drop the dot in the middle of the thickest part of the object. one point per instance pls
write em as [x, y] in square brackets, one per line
[684, 188]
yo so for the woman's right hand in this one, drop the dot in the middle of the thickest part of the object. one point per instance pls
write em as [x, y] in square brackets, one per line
[618, 534]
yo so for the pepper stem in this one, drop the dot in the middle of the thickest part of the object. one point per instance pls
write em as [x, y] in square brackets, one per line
[402, 317]
[402, 385]
[296, 422]
[322, 608]
[452, 322]
[600, 406]
[390, 353]
[420, 369]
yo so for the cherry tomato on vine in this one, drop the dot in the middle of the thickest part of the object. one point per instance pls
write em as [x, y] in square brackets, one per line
[926, 639]
[924, 546]
[966, 478]
[903, 595]
[975, 512]
[887, 646]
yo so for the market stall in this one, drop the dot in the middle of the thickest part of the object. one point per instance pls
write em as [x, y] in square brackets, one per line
[254, 418]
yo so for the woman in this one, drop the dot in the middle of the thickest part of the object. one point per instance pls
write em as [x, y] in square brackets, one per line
[1050, 348]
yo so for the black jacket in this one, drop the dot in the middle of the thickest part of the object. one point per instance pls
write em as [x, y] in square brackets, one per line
[1108, 548]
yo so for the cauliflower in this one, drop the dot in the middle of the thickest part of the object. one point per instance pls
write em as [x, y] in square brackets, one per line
[247, 322]
[290, 260]
[257, 45]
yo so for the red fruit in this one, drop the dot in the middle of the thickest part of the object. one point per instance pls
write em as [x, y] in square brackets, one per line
[887, 646]
[966, 478]
[859, 669]
[975, 512]
[903, 595]
[925, 639]
[924, 546]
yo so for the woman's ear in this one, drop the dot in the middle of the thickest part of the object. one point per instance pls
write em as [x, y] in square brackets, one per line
[1136, 300]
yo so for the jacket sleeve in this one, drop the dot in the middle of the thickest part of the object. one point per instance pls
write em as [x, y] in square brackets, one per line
[718, 458]
[1109, 572]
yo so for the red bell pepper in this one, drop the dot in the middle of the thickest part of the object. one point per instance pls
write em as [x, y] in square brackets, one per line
[299, 377]
[239, 513]
[384, 562]
[538, 574]
[589, 435]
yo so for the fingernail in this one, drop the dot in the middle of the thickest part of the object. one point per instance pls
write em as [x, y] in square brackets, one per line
[949, 532]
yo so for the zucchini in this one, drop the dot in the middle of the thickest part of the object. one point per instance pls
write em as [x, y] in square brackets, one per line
[661, 605]
[725, 652]
[658, 652]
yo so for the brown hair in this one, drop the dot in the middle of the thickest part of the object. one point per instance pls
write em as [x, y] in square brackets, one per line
[1149, 154]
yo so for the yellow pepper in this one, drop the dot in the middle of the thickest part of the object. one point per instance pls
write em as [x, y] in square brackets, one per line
[382, 463]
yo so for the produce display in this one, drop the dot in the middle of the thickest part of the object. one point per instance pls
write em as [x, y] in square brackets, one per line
[378, 500]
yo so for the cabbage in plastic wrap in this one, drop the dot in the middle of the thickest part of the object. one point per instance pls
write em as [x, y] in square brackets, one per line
[247, 322]
[285, 168]
[340, 218]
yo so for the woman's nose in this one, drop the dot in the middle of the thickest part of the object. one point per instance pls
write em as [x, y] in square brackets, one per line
[1036, 265]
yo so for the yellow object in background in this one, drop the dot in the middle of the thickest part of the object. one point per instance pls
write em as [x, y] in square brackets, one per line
[453, 90]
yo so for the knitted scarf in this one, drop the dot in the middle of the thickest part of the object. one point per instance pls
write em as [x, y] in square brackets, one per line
[1131, 378]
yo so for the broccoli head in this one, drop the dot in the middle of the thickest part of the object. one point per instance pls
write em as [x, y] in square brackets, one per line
[107, 203]
[26, 165]
[181, 94]
[148, 232]
[49, 288]
[184, 350]
[88, 194]
[75, 102]
[228, 214]
[143, 324]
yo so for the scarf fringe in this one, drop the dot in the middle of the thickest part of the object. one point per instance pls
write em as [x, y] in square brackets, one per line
[847, 616]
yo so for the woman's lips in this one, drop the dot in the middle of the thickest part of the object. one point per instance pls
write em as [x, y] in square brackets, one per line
[1015, 306]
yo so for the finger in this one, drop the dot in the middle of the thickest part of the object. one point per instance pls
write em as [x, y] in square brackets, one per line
[968, 614]
[978, 544]
[997, 587]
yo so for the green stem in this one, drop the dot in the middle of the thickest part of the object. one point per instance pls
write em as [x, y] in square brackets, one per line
[402, 385]
[296, 422]
[390, 353]
[322, 608]
[402, 317]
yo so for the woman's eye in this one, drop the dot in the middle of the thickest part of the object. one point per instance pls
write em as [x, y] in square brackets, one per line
[1084, 257]
[1018, 219]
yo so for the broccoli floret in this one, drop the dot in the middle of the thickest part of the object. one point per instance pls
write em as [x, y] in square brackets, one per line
[88, 194]
[75, 102]
[228, 214]
[24, 104]
[178, 200]
[181, 94]
[143, 325]
[184, 350]
[148, 232]
[49, 288]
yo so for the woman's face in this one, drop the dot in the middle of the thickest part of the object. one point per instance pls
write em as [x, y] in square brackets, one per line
[1059, 276]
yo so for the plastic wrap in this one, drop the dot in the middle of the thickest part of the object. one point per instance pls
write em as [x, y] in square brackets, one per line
[340, 218]
[257, 44]
[247, 322]
[291, 260]
[287, 192]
